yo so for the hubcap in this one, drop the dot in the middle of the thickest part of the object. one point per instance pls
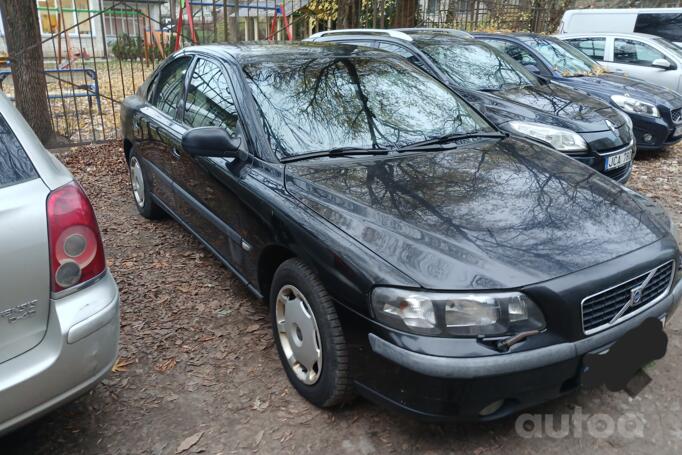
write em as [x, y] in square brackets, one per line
[298, 334]
[137, 180]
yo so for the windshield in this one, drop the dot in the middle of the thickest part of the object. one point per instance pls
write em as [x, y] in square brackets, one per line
[670, 47]
[563, 57]
[329, 102]
[476, 66]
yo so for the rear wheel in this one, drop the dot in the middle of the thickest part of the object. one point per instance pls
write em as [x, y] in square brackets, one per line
[308, 335]
[141, 195]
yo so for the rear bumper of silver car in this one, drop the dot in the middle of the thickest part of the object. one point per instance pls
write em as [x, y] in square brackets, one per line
[78, 350]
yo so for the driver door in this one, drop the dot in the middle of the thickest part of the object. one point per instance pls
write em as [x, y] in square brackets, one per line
[207, 187]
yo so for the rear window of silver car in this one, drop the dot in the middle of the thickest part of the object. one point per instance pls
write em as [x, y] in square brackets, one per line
[15, 167]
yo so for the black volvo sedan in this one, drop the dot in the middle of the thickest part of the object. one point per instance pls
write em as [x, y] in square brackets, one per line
[656, 111]
[571, 122]
[408, 250]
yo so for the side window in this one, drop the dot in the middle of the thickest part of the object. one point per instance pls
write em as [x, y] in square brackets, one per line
[515, 51]
[15, 167]
[592, 47]
[399, 50]
[170, 86]
[665, 25]
[209, 98]
[634, 52]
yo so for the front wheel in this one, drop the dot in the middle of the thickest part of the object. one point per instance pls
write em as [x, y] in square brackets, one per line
[308, 335]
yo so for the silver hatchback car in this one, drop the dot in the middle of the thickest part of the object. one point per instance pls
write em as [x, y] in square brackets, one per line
[59, 305]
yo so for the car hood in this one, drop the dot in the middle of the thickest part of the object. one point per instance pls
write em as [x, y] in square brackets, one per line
[609, 84]
[491, 215]
[549, 104]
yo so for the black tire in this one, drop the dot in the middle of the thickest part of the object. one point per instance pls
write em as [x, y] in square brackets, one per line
[333, 386]
[147, 207]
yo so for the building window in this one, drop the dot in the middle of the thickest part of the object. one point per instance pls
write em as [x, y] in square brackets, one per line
[122, 22]
[73, 12]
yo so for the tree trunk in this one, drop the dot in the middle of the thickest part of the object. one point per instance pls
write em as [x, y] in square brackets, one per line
[349, 14]
[22, 36]
[233, 24]
[405, 13]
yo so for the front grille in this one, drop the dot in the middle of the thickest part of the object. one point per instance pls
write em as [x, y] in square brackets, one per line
[600, 309]
[618, 173]
[676, 115]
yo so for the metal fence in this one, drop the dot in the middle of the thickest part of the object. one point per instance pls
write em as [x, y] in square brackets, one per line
[97, 52]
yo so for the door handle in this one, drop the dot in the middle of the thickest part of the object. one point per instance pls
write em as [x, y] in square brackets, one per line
[175, 153]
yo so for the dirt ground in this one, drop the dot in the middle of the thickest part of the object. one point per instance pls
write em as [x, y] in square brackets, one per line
[197, 359]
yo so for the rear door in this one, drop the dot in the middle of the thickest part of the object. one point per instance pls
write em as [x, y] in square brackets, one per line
[24, 250]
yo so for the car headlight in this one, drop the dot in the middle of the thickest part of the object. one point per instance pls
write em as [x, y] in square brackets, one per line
[635, 106]
[559, 138]
[627, 119]
[457, 314]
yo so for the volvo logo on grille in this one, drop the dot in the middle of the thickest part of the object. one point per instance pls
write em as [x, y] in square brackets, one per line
[636, 296]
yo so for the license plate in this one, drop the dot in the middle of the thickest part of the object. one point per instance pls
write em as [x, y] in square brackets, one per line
[678, 131]
[616, 365]
[618, 160]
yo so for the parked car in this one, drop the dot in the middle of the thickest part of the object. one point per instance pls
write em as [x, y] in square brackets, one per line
[663, 22]
[656, 112]
[646, 57]
[59, 311]
[408, 249]
[580, 126]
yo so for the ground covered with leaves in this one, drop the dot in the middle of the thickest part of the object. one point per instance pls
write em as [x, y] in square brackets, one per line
[198, 371]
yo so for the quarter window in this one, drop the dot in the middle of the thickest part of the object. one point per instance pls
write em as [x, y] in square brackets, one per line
[592, 47]
[170, 86]
[209, 98]
[634, 53]
[15, 167]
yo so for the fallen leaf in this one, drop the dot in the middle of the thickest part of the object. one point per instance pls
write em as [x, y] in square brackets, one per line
[189, 442]
[253, 328]
[121, 365]
[166, 365]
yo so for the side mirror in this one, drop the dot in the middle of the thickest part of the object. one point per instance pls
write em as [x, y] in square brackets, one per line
[662, 63]
[210, 141]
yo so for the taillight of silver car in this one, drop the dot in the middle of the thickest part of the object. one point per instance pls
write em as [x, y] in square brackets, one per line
[76, 250]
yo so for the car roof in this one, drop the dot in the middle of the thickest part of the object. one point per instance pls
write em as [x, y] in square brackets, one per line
[261, 51]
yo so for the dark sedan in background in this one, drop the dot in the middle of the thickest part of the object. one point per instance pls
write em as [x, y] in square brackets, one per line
[656, 111]
[408, 250]
[580, 126]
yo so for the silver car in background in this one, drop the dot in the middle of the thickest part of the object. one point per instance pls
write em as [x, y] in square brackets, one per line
[59, 305]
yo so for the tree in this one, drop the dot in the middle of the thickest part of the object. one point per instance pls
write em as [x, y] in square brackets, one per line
[22, 35]
[405, 13]
[349, 14]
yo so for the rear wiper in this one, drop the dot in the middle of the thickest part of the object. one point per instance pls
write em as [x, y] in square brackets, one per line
[447, 139]
[336, 152]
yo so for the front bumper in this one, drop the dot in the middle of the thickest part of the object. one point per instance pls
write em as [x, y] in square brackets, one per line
[660, 130]
[439, 388]
[78, 350]
[597, 160]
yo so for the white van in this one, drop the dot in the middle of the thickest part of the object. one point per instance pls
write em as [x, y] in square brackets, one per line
[663, 22]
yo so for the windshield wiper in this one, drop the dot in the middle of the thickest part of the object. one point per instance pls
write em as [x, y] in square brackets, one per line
[447, 139]
[336, 152]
